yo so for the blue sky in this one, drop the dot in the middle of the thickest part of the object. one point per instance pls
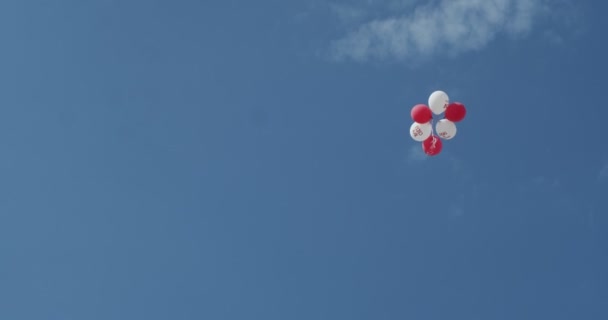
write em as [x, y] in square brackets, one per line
[251, 160]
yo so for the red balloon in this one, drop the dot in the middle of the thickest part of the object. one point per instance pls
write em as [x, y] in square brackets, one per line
[455, 111]
[432, 146]
[421, 113]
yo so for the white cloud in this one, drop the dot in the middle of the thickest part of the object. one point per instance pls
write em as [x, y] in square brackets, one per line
[452, 26]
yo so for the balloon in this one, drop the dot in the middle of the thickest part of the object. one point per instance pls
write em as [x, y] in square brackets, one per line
[455, 112]
[420, 131]
[421, 113]
[432, 146]
[446, 129]
[438, 101]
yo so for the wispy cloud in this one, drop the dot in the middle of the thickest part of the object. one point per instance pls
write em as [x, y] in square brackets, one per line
[540, 183]
[456, 210]
[351, 12]
[452, 26]
[415, 154]
[603, 175]
[348, 13]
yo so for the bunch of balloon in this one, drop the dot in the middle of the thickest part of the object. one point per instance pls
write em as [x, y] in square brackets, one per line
[422, 128]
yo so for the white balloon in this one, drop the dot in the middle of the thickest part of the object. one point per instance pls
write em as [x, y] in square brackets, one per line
[446, 129]
[438, 101]
[421, 131]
